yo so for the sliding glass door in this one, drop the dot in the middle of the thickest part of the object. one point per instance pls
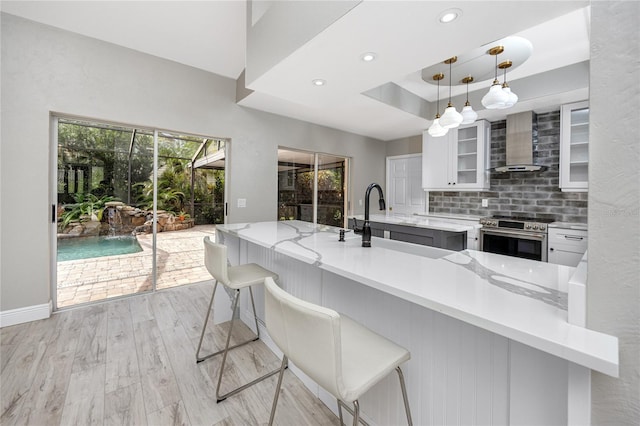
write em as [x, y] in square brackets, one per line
[331, 178]
[97, 254]
[312, 187]
[132, 208]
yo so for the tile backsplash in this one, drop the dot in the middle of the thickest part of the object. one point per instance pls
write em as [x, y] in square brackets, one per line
[532, 194]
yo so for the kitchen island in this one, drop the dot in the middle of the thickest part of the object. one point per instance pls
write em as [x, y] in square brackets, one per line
[436, 231]
[424, 221]
[488, 334]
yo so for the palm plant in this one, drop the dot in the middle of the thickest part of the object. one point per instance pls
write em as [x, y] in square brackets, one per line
[85, 204]
[169, 199]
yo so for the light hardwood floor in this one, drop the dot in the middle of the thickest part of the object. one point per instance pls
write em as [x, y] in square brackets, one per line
[132, 362]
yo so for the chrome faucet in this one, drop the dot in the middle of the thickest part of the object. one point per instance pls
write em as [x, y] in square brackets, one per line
[366, 228]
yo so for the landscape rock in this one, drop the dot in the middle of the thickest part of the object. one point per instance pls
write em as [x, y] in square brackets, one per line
[76, 230]
[91, 228]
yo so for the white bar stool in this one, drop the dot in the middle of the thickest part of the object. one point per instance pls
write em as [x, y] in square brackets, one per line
[235, 278]
[342, 356]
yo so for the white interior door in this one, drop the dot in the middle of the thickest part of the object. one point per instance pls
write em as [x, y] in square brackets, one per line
[404, 184]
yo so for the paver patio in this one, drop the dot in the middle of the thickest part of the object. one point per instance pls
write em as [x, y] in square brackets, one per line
[180, 261]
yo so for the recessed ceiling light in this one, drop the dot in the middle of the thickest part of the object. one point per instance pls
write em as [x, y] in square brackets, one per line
[319, 82]
[449, 15]
[368, 57]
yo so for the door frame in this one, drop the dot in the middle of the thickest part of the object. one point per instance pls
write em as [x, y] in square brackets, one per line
[53, 203]
[54, 118]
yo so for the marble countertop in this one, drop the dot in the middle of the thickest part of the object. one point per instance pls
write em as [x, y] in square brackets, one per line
[568, 225]
[451, 216]
[438, 223]
[520, 299]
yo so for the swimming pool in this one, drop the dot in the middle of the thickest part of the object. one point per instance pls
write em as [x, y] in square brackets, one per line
[89, 247]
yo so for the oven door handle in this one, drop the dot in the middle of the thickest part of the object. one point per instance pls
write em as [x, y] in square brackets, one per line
[506, 232]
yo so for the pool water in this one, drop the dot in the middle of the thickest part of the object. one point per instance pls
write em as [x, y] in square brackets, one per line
[89, 247]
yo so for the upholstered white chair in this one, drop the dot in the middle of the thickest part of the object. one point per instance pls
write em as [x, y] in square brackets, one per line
[342, 356]
[234, 278]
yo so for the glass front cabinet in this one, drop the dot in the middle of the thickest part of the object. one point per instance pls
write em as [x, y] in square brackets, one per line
[574, 147]
[458, 161]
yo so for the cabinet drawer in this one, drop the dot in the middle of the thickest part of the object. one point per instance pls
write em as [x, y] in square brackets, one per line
[568, 240]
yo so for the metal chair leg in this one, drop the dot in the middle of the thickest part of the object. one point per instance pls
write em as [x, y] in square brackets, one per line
[255, 315]
[204, 329]
[404, 396]
[350, 411]
[356, 412]
[236, 299]
[219, 397]
[227, 347]
[283, 367]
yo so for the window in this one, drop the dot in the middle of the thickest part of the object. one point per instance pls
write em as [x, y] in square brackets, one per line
[117, 162]
[312, 187]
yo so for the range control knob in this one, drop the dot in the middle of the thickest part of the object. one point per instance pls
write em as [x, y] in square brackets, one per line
[535, 226]
[542, 227]
[528, 226]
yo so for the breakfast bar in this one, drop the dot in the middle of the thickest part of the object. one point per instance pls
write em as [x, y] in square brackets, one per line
[489, 334]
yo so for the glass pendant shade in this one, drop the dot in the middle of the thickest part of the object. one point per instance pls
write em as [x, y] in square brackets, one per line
[436, 130]
[512, 98]
[451, 118]
[496, 98]
[468, 114]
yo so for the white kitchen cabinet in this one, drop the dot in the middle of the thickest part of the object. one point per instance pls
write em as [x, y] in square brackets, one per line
[574, 147]
[458, 161]
[566, 246]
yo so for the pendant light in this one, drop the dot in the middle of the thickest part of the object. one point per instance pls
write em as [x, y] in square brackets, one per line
[436, 130]
[468, 114]
[451, 117]
[496, 98]
[512, 97]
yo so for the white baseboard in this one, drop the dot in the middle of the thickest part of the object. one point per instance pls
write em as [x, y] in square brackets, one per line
[26, 314]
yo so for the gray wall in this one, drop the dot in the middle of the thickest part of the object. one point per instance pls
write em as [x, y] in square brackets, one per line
[531, 194]
[613, 290]
[404, 146]
[46, 69]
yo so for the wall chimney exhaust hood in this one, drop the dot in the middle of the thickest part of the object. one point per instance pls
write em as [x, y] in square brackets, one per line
[520, 144]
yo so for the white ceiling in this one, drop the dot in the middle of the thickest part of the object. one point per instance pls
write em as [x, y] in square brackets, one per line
[209, 35]
[406, 36]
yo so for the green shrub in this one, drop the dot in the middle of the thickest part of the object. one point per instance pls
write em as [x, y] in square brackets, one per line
[85, 204]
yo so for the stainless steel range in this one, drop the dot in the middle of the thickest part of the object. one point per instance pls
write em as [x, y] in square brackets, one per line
[515, 236]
